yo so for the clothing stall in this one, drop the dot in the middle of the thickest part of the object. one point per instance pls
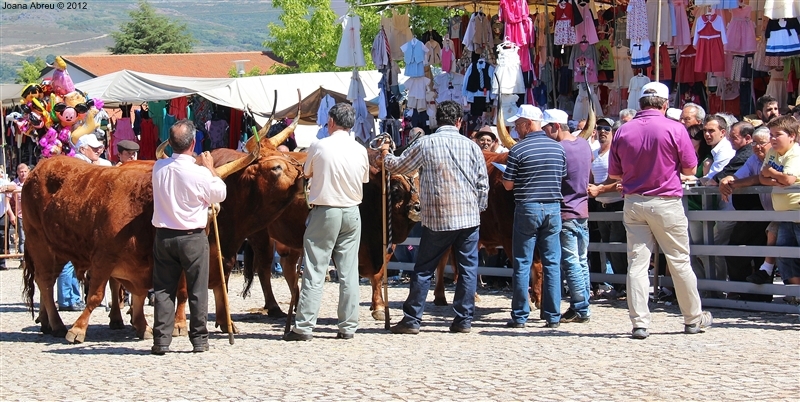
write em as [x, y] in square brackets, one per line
[722, 54]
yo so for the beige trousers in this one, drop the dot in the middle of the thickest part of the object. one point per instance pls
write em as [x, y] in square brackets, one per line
[662, 219]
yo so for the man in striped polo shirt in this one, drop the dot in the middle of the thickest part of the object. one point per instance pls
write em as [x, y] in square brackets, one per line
[536, 166]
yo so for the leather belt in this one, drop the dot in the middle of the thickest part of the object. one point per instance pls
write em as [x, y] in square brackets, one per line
[181, 232]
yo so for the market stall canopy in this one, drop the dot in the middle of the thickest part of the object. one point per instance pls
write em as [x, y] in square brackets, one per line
[310, 105]
[131, 86]
[10, 94]
[488, 6]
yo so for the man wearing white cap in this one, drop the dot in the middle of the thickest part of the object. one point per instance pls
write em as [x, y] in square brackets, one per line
[89, 149]
[647, 154]
[574, 213]
[534, 171]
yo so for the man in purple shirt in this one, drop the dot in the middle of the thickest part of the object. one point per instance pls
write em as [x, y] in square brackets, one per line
[648, 154]
[574, 213]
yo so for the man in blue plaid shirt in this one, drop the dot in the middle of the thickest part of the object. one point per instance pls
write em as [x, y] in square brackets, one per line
[454, 190]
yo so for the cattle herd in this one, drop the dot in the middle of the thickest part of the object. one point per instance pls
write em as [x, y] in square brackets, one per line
[99, 218]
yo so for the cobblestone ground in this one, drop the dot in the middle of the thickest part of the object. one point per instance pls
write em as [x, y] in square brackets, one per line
[746, 356]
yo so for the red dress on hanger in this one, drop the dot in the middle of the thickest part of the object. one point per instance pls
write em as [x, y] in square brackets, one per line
[709, 40]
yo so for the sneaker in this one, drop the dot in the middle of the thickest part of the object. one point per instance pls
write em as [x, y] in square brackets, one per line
[573, 316]
[705, 322]
[759, 277]
[639, 333]
[401, 328]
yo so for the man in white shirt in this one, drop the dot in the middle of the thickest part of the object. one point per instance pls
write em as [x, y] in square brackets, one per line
[89, 149]
[337, 166]
[182, 193]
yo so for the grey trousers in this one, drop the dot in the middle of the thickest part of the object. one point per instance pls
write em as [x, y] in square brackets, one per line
[174, 253]
[331, 233]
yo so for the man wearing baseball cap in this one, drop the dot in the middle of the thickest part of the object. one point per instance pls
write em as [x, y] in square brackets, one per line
[534, 171]
[574, 234]
[647, 154]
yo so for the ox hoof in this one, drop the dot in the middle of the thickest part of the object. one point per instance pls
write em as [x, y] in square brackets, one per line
[440, 301]
[146, 334]
[116, 324]
[59, 333]
[224, 328]
[276, 313]
[75, 336]
[180, 331]
[45, 329]
[379, 315]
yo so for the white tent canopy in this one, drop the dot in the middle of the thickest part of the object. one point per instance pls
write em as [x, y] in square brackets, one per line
[257, 93]
[131, 86]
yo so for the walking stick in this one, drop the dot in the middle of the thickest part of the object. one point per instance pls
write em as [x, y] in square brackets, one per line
[214, 211]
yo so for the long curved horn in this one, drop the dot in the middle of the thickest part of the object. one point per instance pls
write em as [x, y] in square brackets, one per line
[502, 131]
[161, 150]
[591, 121]
[239, 164]
[283, 135]
[263, 132]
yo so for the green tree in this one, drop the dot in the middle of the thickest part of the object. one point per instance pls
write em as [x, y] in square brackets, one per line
[30, 71]
[255, 71]
[150, 33]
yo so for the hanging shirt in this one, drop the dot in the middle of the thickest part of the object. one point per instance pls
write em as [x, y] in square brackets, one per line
[448, 87]
[478, 33]
[433, 56]
[380, 50]
[479, 81]
[414, 52]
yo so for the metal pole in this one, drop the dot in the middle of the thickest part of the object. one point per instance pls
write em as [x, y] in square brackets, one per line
[548, 50]
[658, 43]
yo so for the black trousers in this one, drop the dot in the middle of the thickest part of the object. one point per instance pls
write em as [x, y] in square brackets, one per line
[750, 234]
[176, 252]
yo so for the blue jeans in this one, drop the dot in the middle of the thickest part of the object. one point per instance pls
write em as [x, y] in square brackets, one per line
[575, 262]
[432, 246]
[69, 290]
[788, 236]
[537, 224]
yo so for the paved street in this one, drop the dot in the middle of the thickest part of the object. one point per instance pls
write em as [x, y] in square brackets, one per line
[746, 356]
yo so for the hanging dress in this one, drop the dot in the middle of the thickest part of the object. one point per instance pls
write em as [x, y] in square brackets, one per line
[635, 90]
[685, 73]
[623, 72]
[774, 9]
[565, 30]
[741, 32]
[783, 37]
[640, 54]
[507, 78]
[351, 53]
[514, 13]
[637, 21]
[398, 32]
[586, 29]
[652, 21]
[777, 87]
[581, 109]
[709, 40]
[683, 35]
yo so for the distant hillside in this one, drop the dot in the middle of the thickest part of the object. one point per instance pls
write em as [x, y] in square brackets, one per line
[217, 25]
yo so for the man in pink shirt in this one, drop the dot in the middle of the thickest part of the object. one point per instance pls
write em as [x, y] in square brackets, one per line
[648, 154]
[182, 193]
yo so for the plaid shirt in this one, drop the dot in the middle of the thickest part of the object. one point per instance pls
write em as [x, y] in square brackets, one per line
[453, 180]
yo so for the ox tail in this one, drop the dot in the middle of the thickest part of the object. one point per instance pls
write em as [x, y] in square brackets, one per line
[248, 269]
[30, 286]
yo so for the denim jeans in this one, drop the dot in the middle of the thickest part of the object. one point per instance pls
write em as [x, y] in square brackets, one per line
[575, 262]
[69, 289]
[537, 224]
[788, 236]
[432, 246]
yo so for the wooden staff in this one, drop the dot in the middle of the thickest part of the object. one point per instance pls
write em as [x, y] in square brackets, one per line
[214, 211]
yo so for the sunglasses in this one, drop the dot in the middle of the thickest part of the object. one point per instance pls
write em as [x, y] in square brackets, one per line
[604, 128]
[80, 108]
[98, 149]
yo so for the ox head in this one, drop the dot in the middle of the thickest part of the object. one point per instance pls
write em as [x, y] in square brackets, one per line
[405, 197]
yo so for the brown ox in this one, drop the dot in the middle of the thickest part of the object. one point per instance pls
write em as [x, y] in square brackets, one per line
[288, 230]
[99, 218]
[497, 228]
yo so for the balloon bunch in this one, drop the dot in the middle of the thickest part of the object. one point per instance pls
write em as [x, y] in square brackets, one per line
[55, 114]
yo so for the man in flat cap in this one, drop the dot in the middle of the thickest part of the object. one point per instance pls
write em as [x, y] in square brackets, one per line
[127, 151]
